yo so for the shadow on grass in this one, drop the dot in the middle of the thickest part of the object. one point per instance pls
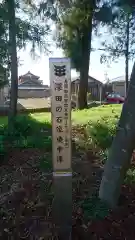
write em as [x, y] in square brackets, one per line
[28, 133]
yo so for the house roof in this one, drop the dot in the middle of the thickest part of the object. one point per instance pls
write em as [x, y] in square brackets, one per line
[119, 79]
[29, 75]
[30, 80]
[33, 81]
[89, 79]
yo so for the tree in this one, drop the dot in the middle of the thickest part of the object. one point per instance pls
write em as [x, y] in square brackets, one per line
[3, 77]
[74, 25]
[75, 35]
[29, 29]
[122, 147]
[16, 34]
[66, 3]
[129, 3]
[122, 41]
[121, 150]
[13, 60]
[85, 48]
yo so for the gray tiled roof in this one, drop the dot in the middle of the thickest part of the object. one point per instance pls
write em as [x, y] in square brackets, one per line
[73, 79]
[119, 79]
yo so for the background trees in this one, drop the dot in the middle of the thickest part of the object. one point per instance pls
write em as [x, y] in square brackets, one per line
[122, 39]
[29, 29]
[19, 25]
[3, 77]
[75, 36]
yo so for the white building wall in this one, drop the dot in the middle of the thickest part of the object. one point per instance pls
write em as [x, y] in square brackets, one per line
[119, 87]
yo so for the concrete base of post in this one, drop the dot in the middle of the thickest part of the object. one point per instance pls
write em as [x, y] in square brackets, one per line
[62, 205]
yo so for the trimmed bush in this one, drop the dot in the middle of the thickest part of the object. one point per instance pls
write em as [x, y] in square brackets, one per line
[102, 131]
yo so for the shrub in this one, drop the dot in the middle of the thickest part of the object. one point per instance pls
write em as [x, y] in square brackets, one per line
[102, 132]
[94, 208]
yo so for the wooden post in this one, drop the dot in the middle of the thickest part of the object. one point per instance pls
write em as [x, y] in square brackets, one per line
[60, 79]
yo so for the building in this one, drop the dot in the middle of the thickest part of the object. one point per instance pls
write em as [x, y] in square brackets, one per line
[30, 86]
[95, 87]
[118, 85]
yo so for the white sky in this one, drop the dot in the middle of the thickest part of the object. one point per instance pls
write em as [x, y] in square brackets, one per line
[40, 67]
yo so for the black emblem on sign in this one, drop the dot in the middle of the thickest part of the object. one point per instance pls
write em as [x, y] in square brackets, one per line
[60, 70]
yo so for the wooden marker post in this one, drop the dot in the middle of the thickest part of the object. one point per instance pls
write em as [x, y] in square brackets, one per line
[60, 80]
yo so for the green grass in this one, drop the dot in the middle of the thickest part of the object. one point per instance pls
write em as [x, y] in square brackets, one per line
[101, 125]
[29, 133]
[95, 114]
[34, 130]
[3, 121]
[84, 116]
[78, 117]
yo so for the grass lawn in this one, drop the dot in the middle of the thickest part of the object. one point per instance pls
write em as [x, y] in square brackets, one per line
[84, 116]
[26, 181]
[78, 117]
[100, 121]
[3, 121]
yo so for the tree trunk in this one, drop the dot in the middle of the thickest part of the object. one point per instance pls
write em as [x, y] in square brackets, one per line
[84, 70]
[127, 56]
[121, 151]
[126, 75]
[13, 60]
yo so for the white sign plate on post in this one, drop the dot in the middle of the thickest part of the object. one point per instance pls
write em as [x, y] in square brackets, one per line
[60, 80]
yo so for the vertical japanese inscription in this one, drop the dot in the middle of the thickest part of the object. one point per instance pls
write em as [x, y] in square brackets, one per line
[66, 112]
[59, 127]
[60, 86]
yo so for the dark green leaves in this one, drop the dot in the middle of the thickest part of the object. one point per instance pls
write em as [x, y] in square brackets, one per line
[29, 28]
[130, 3]
[104, 14]
[73, 24]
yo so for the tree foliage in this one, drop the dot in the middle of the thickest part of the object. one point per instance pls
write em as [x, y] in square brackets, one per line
[29, 29]
[70, 27]
[130, 3]
[74, 35]
[3, 77]
[121, 41]
[116, 46]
